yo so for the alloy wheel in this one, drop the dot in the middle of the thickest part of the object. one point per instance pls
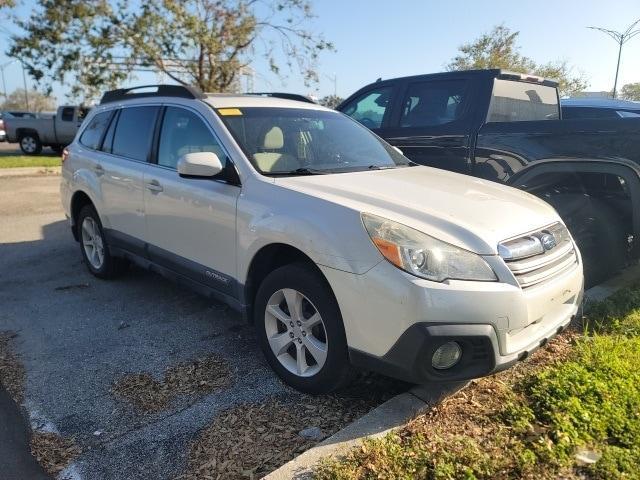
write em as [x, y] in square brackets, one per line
[92, 242]
[295, 332]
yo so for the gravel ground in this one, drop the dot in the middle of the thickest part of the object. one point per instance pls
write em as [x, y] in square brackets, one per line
[77, 335]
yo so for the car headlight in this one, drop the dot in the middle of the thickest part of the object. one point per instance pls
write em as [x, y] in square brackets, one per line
[422, 255]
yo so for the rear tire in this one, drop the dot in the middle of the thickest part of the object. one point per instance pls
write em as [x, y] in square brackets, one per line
[601, 238]
[94, 247]
[300, 330]
[30, 144]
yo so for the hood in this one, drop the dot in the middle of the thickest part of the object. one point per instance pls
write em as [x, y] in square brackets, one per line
[465, 211]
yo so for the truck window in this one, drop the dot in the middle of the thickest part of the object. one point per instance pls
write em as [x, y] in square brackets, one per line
[520, 101]
[370, 107]
[67, 114]
[92, 135]
[432, 103]
[133, 133]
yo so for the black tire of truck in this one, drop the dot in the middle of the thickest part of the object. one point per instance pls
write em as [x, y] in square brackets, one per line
[602, 240]
[30, 143]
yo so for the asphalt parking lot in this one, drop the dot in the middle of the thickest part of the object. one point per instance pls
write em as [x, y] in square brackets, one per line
[77, 335]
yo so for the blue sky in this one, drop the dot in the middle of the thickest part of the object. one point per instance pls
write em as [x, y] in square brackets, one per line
[386, 39]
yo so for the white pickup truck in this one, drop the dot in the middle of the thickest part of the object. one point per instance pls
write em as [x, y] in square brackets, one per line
[56, 132]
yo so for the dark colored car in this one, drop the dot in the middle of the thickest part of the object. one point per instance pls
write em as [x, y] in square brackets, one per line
[584, 108]
[508, 127]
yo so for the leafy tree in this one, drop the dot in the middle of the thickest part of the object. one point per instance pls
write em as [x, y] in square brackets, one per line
[331, 101]
[72, 42]
[37, 101]
[631, 91]
[499, 49]
[206, 43]
[7, 3]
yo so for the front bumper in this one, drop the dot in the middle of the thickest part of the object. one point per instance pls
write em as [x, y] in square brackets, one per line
[410, 358]
[394, 322]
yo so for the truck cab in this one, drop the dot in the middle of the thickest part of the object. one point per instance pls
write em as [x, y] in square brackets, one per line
[56, 132]
[508, 127]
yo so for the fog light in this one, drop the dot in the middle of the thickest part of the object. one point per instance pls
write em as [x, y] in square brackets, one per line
[446, 356]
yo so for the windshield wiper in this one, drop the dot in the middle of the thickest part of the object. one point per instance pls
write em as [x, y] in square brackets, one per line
[381, 167]
[302, 171]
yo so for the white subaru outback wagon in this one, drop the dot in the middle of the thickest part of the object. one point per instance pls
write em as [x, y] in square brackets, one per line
[339, 250]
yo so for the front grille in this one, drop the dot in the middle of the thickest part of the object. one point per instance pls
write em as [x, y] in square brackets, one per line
[548, 253]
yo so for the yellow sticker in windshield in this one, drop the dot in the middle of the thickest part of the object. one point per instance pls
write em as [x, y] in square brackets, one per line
[229, 111]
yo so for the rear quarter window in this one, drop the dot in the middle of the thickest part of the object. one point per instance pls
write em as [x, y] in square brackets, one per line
[92, 135]
[520, 102]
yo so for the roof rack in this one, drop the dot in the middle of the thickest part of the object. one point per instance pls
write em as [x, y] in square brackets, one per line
[284, 95]
[181, 91]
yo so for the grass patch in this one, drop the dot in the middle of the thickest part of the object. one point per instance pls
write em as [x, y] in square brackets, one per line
[15, 161]
[572, 412]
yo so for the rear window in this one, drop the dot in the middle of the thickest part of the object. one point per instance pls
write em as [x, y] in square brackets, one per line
[520, 102]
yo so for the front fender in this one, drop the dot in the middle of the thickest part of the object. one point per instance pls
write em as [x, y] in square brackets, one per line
[331, 235]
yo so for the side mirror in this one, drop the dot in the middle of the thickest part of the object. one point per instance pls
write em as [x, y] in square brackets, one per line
[199, 164]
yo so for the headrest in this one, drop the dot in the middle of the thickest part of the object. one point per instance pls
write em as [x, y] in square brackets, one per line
[273, 139]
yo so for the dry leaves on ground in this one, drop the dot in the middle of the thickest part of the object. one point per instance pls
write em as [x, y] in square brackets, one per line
[52, 451]
[249, 441]
[473, 413]
[198, 377]
[12, 373]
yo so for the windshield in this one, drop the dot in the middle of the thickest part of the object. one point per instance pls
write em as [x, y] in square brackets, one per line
[292, 141]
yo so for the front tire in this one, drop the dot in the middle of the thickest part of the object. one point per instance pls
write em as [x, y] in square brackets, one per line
[300, 330]
[30, 144]
[94, 248]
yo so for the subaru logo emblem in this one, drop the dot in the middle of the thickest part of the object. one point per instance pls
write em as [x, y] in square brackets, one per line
[548, 241]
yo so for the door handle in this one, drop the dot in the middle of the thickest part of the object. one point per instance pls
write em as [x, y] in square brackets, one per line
[154, 186]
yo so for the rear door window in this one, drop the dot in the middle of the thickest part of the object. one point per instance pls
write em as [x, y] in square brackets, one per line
[370, 108]
[133, 132]
[92, 135]
[433, 103]
[513, 101]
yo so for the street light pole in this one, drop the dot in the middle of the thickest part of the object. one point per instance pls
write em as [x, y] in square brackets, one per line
[621, 38]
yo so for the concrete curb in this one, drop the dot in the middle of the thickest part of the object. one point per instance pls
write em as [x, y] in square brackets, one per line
[395, 412]
[599, 292]
[392, 414]
[29, 171]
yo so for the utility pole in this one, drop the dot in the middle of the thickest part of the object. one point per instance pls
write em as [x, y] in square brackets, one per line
[621, 38]
[4, 84]
[26, 92]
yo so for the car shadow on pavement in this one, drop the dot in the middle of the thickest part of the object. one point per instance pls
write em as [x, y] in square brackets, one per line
[77, 335]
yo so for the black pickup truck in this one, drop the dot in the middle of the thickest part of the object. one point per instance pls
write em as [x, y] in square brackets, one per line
[507, 127]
